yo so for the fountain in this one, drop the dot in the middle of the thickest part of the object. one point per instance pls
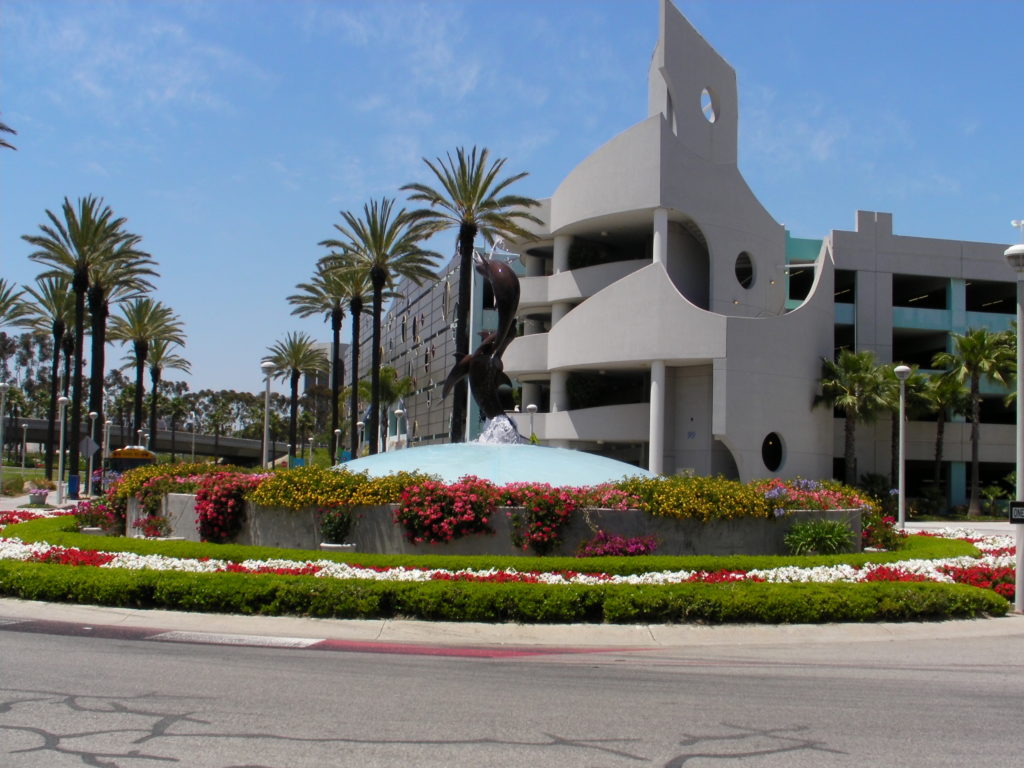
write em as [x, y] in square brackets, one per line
[501, 454]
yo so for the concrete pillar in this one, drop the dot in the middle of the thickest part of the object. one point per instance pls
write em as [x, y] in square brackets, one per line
[561, 256]
[660, 250]
[559, 392]
[534, 266]
[530, 395]
[657, 418]
[559, 310]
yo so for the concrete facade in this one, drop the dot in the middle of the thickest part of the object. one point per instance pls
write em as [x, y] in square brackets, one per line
[667, 319]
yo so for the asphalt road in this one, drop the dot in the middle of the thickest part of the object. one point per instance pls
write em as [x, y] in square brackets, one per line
[72, 701]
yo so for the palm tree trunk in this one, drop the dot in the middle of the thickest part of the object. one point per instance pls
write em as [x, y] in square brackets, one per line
[377, 279]
[154, 378]
[849, 450]
[293, 413]
[336, 374]
[98, 311]
[356, 307]
[467, 235]
[974, 504]
[940, 433]
[81, 286]
[51, 415]
[141, 353]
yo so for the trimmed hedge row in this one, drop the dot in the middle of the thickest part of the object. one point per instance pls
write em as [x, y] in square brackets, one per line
[61, 531]
[525, 603]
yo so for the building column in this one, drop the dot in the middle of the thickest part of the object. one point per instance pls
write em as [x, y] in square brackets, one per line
[559, 310]
[660, 250]
[559, 392]
[561, 256]
[529, 394]
[534, 266]
[656, 439]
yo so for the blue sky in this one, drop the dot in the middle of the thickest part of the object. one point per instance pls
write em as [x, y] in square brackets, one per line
[231, 134]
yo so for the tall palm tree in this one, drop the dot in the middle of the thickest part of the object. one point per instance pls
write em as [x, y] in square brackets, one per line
[472, 199]
[4, 128]
[161, 358]
[296, 355]
[11, 306]
[978, 354]
[141, 323]
[71, 248]
[326, 293]
[51, 310]
[358, 293]
[122, 276]
[386, 245]
[853, 384]
[945, 396]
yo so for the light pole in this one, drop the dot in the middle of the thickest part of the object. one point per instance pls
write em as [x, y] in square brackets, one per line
[3, 403]
[399, 413]
[1015, 258]
[359, 446]
[532, 409]
[138, 432]
[192, 416]
[62, 401]
[268, 368]
[337, 445]
[24, 446]
[902, 373]
[92, 450]
[311, 451]
[106, 438]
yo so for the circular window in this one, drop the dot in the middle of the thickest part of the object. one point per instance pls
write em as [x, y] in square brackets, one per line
[745, 270]
[707, 106]
[771, 451]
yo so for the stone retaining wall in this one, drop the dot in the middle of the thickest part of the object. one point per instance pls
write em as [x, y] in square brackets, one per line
[374, 530]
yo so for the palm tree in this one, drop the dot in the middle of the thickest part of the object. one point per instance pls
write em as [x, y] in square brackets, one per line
[11, 306]
[978, 354]
[143, 322]
[852, 384]
[385, 245]
[358, 292]
[945, 396]
[392, 389]
[71, 248]
[471, 199]
[296, 355]
[326, 293]
[4, 128]
[161, 358]
[51, 311]
[122, 276]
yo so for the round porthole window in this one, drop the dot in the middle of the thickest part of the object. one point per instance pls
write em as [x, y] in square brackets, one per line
[771, 452]
[707, 106]
[745, 269]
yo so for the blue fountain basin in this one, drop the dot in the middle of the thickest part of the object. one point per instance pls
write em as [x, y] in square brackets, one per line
[499, 463]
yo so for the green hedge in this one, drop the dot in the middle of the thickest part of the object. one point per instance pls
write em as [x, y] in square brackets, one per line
[61, 531]
[526, 603]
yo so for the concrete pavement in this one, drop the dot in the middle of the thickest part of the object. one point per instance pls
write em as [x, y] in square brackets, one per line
[456, 634]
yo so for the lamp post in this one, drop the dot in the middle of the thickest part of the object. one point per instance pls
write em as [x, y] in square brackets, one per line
[138, 433]
[532, 410]
[3, 403]
[337, 445]
[192, 418]
[399, 413]
[92, 450]
[311, 451]
[62, 401]
[268, 368]
[24, 445]
[106, 438]
[359, 446]
[1015, 258]
[902, 373]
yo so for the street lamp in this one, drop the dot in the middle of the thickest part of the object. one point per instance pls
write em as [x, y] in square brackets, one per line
[532, 409]
[3, 402]
[92, 450]
[337, 445]
[1015, 258]
[399, 413]
[106, 438]
[311, 451]
[192, 417]
[62, 401]
[902, 373]
[268, 368]
[24, 445]
[139, 433]
[359, 447]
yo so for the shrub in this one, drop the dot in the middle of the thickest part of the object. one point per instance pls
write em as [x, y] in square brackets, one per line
[434, 512]
[545, 513]
[335, 524]
[97, 513]
[153, 526]
[820, 537]
[220, 504]
[880, 532]
[603, 545]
